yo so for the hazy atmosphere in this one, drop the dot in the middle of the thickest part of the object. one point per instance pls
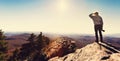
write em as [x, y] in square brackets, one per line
[58, 16]
[59, 30]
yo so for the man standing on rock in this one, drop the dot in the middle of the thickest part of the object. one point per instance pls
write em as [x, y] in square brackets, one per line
[98, 25]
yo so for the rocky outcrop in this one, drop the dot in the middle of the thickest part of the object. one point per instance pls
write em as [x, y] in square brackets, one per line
[114, 57]
[92, 52]
[59, 47]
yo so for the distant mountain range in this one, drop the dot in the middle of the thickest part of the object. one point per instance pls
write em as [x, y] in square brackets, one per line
[17, 39]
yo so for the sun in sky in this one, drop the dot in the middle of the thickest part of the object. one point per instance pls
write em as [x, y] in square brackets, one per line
[63, 5]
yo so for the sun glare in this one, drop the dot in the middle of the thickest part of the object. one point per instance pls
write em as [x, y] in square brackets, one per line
[63, 5]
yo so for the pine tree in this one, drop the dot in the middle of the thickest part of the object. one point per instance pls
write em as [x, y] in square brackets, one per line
[31, 38]
[39, 40]
[31, 51]
[27, 50]
[3, 46]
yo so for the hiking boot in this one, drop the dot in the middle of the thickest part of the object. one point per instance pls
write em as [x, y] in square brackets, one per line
[100, 42]
[96, 41]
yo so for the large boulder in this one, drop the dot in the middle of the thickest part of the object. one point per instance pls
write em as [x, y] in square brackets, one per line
[60, 47]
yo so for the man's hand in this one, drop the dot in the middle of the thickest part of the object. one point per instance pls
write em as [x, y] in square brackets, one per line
[103, 30]
[90, 15]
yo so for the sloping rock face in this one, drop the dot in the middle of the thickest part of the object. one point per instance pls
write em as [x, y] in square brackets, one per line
[114, 57]
[91, 52]
[59, 47]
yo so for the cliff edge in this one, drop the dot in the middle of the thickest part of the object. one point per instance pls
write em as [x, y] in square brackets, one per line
[92, 52]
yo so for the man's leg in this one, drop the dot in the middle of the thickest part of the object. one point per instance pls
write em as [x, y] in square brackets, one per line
[96, 33]
[101, 37]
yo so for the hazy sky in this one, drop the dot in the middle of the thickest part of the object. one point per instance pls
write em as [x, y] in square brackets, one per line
[58, 16]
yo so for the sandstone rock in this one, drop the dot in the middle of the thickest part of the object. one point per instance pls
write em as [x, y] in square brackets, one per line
[91, 52]
[60, 47]
[114, 57]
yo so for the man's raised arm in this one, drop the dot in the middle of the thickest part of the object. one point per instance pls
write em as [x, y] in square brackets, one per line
[90, 15]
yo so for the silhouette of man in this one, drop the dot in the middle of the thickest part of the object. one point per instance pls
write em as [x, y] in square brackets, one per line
[98, 25]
